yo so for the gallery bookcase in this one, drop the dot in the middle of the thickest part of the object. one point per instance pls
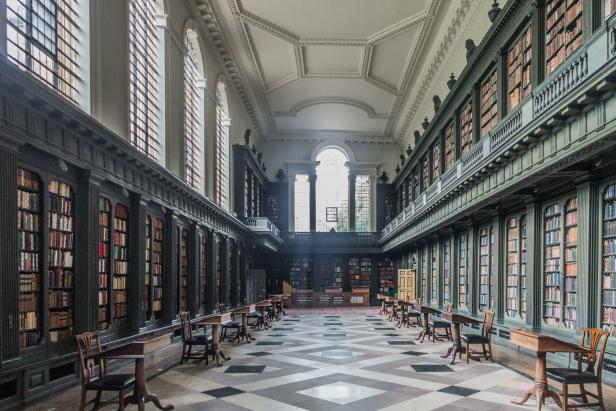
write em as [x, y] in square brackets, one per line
[463, 270]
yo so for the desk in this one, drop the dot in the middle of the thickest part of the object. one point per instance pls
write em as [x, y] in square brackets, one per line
[245, 310]
[137, 350]
[425, 312]
[261, 306]
[404, 308]
[216, 321]
[541, 344]
[456, 319]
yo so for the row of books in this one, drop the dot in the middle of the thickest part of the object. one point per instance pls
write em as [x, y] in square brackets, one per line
[29, 201]
[59, 319]
[609, 210]
[28, 304]
[608, 297]
[60, 222]
[61, 240]
[60, 279]
[60, 299]
[27, 241]
[608, 315]
[609, 228]
[28, 261]
[27, 221]
[61, 206]
[60, 258]
[27, 180]
[609, 263]
[551, 294]
[120, 225]
[29, 338]
[28, 283]
[119, 296]
[61, 189]
[28, 320]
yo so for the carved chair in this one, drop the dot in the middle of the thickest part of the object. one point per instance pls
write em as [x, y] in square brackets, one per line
[485, 338]
[93, 373]
[189, 340]
[440, 324]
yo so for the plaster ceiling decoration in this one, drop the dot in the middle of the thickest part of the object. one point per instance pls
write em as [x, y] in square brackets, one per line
[325, 67]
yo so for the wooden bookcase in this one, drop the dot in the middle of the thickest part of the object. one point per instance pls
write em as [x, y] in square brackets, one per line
[29, 222]
[450, 146]
[104, 261]
[360, 272]
[424, 274]
[436, 161]
[486, 268]
[425, 172]
[523, 267]
[552, 221]
[488, 102]
[570, 265]
[446, 272]
[120, 267]
[608, 283]
[203, 280]
[513, 268]
[563, 31]
[466, 128]
[301, 273]
[434, 274]
[182, 269]
[61, 267]
[463, 270]
[385, 275]
[519, 61]
[331, 273]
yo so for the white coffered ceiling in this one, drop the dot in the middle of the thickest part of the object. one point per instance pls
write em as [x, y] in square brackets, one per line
[326, 68]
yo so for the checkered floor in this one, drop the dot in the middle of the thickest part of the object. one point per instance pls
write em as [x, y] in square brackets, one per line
[347, 362]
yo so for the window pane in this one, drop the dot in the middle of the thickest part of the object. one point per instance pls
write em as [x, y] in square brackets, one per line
[192, 115]
[302, 203]
[362, 203]
[332, 190]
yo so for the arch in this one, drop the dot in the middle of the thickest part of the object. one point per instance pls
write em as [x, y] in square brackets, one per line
[191, 30]
[332, 189]
[345, 148]
[221, 146]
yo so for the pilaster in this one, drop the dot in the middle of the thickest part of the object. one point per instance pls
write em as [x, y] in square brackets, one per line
[312, 180]
[193, 269]
[351, 201]
[136, 269]
[589, 255]
[534, 266]
[170, 264]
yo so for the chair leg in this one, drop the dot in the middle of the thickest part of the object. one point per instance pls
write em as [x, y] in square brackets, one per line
[468, 352]
[583, 394]
[121, 400]
[97, 400]
[565, 397]
[84, 393]
[490, 348]
[183, 353]
[485, 351]
[600, 395]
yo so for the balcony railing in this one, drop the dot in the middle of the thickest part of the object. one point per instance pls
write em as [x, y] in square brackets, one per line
[512, 131]
[262, 225]
[336, 236]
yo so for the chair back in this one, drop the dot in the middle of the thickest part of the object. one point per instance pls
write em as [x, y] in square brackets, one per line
[88, 344]
[595, 339]
[186, 328]
[488, 321]
[449, 308]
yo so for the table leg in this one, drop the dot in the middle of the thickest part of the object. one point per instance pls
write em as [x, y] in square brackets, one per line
[457, 343]
[218, 353]
[141, 396]
[540, 390]
[245, 332]
[426, 330]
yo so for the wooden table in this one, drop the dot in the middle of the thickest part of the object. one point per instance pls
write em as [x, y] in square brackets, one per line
[456, 319]
[404, 307]
[245, 311]
[425, 314]
[541, 345]
[261, 306]
[216, 321]
[382, 298]
[276, 301]
[137, 350]
[280, 304]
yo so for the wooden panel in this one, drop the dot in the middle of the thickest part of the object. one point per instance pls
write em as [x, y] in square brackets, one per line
[406, 285]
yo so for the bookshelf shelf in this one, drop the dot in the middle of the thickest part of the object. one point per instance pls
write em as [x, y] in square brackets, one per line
[488, 103]
[570, 264]
[564, 27]
[551, 266]
[203, 271]
[300, 273]
[486, 268]
[463, 271]
[450, 146]
[608, 283]
[513, 267]
[446, 272]
[385, 270]
[120, 267]
[434, 276]
[360, 272]
[61, 243]
[183, 269]
[519, 68]
[104, 221]
[29, 249]
[466, 128]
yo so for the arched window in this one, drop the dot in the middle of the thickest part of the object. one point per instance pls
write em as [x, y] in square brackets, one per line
[41, 39]
[221, 148]
[144, 78]
[193, 111]
[332, 190]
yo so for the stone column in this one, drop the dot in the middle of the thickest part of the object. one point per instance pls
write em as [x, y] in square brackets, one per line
[312, 179]
[351, 202]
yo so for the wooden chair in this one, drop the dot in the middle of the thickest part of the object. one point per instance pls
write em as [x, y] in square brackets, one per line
[189, 340]
[579, 376]
[484, 338]
[440, 324]
[93, 373]
[414, 315]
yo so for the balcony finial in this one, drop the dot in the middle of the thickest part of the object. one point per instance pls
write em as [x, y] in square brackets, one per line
[451, 81]
[436, 100]
[280, 175]
[470, 48]
[417, 135]
[494, 11]
[409, 150]
[247, 137]
[425, 123]
[397, 169]
[384, 177]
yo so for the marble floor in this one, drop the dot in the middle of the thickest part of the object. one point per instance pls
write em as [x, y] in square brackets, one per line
[337, 361]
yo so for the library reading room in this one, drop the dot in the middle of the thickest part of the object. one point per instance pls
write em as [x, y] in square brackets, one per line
[321, 205]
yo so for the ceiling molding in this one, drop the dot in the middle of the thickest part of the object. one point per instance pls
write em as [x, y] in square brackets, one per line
[397, 28]
[370, 112]
[451, 36]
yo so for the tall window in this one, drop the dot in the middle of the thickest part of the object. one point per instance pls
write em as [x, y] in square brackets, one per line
[362, 203]
[302, 203]
[144, 78]
[193, 111]
[332, 190]
[41, 40]
[221, 161]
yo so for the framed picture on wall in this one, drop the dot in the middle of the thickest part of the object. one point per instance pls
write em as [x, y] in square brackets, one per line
[331, 214]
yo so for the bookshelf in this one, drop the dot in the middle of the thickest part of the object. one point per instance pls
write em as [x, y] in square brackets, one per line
[390, 205]
[564, 27]
[120, 267]
[446, 271]
[331, 274]
[147, 278]
[570, 264]
[425, 172]
[523, 262]
[609, 7]
[436, 160]
[551, 265]
[466, 128]
[424, 274]
[360, 272]
[61, 249]
[450, 146]
[273, 209]
[203, 272]
[104, 221]
[513, 267]
[182, 269]
[300, 273]
[488, 103]
[434, 272]
[247, 193]
[407, 191]
[519, 68]
[385, 271]
[485, 268]
[608, 266]
[463, 271]
[218, 277]
[29, 248]
[157, 267]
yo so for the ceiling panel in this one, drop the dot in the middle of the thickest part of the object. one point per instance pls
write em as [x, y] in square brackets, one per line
[331, 117]
[275, 57]
[333, 59]
[390, 57]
